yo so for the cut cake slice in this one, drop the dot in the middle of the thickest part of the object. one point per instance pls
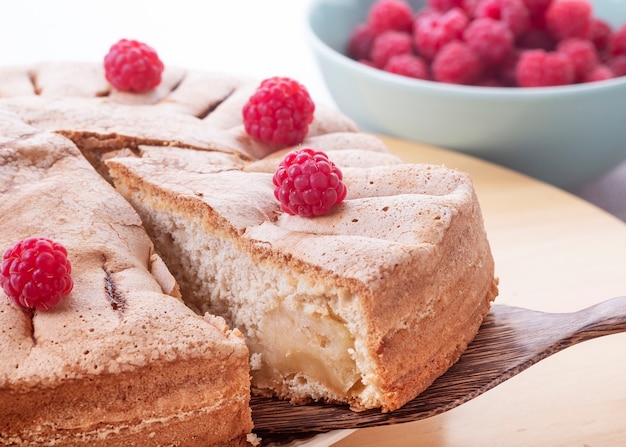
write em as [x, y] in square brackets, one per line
[364, 306]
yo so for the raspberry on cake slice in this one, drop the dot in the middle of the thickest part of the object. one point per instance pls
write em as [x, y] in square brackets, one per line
[307, 183]
[36, 273]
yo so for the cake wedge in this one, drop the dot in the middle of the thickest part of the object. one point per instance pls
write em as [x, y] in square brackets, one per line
[364, 306]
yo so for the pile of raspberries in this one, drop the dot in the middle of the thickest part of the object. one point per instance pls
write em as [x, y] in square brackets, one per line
[497, 43]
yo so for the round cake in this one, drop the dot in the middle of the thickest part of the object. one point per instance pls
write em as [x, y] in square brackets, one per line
[194, 288]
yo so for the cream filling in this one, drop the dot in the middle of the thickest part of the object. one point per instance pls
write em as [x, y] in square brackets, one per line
[296, 330]
[301, 343]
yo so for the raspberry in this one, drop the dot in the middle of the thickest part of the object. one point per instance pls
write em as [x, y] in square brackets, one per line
[601, 34]
[539, 68]
[569, 18]
[360, 42]
[132, 66]
[457, 63]
[536, 9]
[489, 36]
[434, 30]
[385, 15]
[408, 65]
[491, 39]
[35, 273]
[618, 65]
[619, 41]
[445, 5]
[279, 112]
[307, 183]
[582, 53]
[598, 73]
[512, 12]
[388, 44]
[470, 7]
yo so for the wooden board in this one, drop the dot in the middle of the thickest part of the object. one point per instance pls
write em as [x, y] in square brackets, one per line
[555, 253]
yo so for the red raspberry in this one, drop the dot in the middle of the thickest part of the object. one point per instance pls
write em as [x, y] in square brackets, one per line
[618, 65]
[408, 65]
[582, 53]
[569, 18]
[388, 44]
[537, 9]
[512, 12]
[360, 42]
[385, 15]
[539, 68]
[307, 183]
[601, 34]
[470, 7]
[133, 66]
[445, 5]
[35, 273]
[619, 41]
[598, 73]
[279, 112]
[457, 63]
[434, 30]
[491, 39]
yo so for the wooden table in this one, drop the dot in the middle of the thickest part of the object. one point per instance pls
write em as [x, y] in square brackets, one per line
[556, 253]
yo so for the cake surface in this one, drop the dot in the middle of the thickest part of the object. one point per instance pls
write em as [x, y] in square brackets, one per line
[378, 298]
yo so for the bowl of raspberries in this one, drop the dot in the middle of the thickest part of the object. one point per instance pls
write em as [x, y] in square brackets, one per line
[538, 86]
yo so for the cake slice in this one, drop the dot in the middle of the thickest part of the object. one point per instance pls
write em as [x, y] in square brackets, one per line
[121, 361]
[364, 306]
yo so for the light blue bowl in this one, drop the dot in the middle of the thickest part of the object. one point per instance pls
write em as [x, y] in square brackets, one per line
[564, 135]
